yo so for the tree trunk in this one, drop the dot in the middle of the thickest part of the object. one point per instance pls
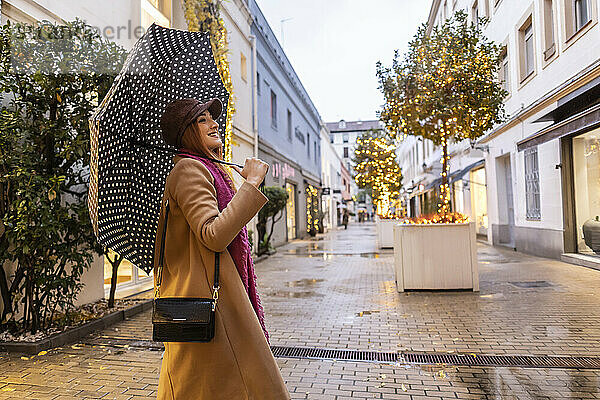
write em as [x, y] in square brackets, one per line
[444, 192]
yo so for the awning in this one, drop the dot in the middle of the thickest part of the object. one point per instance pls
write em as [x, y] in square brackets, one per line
[456, 175]
[575, 113]
[585, 121]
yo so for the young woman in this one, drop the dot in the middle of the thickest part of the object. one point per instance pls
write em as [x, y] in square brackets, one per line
[207, 215]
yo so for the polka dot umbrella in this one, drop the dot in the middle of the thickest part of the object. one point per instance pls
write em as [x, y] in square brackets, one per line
[129, 161]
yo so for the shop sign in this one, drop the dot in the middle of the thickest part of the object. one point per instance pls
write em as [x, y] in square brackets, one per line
[282, 171]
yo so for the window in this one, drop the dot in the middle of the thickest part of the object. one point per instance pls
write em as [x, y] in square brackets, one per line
[527, 59]
[315, 150]
[342, 124]
[273, 109]
[331, 138]
[486, 8]
[345, 152]
[582, 13]
[549, 46]
[289, 125]
[504, 70]
[445, 11]
[475, 13]
[243, 67]
[532, 184]
[258, 83]
[308, 144]
[345, 138]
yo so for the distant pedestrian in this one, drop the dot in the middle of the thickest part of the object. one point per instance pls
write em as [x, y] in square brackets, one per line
[208, 215]
[345, 217]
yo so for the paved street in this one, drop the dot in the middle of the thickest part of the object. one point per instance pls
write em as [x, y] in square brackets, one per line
[338, 291]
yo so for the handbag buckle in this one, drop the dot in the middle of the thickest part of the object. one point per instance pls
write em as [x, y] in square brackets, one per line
[215, 297]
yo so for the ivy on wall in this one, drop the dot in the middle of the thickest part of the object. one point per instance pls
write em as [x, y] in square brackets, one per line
[204, 16]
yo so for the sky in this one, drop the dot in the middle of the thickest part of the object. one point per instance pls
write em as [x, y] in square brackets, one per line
[334, 45]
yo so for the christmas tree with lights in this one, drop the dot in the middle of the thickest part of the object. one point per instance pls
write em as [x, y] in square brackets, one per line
[377, 170]
[445, 88]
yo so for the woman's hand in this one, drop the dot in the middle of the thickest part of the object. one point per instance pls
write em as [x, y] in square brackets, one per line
[254, 171]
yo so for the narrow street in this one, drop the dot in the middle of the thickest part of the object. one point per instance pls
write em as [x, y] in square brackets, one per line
[337, 291]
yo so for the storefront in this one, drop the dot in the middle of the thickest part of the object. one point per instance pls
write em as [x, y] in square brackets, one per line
[576, 127]
[586, 190]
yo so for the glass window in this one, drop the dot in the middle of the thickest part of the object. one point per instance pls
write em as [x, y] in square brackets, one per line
[273, 109]
[529, 54]
[289, 125]
[532, 184]
[243, 67]
[345, 152]
[504, 71]
[308, 144]
[586, 175]
[479, 200]
[475, 13]
[582, 13]
[345, 138]
[550, 48]
[258, 83]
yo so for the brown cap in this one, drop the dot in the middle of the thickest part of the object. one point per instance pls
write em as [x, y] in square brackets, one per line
[179, 114]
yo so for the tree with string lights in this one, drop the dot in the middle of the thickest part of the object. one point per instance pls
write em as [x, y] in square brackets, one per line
[445, 88]
[377, 169]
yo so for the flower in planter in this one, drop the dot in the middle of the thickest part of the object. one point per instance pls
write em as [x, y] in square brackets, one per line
[446, 218]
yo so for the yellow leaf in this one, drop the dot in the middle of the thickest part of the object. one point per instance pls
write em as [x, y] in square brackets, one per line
[24, 358]
[42, 353]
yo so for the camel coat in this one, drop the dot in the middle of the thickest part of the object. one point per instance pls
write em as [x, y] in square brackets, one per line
[237, 363]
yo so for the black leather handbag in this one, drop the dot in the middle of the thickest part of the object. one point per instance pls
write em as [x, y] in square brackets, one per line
[183, 319]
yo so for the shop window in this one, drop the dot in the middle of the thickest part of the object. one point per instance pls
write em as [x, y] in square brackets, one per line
[532, 185]
[586, 179]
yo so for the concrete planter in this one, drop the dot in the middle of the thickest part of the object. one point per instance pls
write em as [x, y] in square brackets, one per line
[436, 257]
[385, 232]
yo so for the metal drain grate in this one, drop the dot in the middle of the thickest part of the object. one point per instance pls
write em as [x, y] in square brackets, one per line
[439, 358]
[474, 360]
[501, 361]
[330, 354]
[531, 284]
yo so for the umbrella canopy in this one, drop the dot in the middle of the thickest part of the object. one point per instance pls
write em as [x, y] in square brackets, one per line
[128, 169]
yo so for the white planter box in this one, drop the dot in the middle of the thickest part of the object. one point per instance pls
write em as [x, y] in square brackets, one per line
[385, 232]
[436, 256]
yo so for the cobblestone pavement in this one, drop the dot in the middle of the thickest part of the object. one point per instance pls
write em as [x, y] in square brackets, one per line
[338, 291]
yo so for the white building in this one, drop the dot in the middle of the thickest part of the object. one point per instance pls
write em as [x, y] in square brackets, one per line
[542, 165]
[124, 22]
[331, 181]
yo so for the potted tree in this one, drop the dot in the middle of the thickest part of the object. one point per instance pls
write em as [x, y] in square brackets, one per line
[378, 171]
[445, 88]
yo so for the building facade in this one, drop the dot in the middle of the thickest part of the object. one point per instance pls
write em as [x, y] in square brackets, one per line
[541, 165]
[331, 179]
[289, 130]
[343, 137]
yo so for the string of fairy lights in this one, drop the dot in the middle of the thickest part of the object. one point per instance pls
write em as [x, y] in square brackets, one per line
[378, 170]
[204, 16]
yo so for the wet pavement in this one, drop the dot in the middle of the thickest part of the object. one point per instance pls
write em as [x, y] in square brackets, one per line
[337, 291]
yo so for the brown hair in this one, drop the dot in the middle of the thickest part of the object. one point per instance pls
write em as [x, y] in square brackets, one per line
[194, 140]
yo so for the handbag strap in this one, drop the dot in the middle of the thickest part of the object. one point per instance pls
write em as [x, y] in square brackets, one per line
[161, 258]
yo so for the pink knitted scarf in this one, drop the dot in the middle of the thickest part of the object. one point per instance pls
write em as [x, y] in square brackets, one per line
[239, 248]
